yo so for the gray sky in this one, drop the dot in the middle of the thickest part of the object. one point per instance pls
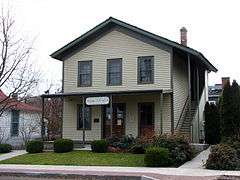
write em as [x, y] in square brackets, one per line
[213, 27]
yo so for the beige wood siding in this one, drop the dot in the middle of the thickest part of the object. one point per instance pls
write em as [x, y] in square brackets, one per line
[70, 121]
[116, 44]
[180, 86]
[70, 116]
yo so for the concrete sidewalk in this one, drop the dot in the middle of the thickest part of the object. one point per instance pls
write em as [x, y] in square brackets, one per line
[12, 154]
[197, 162]
[158, 173]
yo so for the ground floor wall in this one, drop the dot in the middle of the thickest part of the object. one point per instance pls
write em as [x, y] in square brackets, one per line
[29, 127]
[132, 120]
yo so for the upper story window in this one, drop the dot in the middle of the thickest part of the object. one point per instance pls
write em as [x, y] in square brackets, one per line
[84, 73]
[114, 72]
[145, 69]
[15, 123]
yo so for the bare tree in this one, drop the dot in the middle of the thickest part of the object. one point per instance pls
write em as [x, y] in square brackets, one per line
[30, 126]
[4, 137]
[17, 75]
[52, 111]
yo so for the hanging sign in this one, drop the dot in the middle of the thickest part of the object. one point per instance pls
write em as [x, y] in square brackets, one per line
[97, 100]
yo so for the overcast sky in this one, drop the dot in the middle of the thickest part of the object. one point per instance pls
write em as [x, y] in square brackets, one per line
[213, 27]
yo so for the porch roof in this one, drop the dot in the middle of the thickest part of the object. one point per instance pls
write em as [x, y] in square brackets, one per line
[105, 93]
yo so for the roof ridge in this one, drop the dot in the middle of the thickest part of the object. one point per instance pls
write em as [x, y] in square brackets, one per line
[59, 54]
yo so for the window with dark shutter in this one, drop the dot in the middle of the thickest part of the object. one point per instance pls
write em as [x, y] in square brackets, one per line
[84, 73]
[145, 69]
[15, 123]
[87, 117]
[114, 72]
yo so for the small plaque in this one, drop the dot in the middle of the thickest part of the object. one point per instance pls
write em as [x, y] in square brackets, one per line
[119, 122]
[96, 120]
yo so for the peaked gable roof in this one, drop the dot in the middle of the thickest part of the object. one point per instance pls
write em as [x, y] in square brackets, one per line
[17, 105]
[111, 22]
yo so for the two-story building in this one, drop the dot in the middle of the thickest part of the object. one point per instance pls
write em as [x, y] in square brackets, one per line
[124, 80]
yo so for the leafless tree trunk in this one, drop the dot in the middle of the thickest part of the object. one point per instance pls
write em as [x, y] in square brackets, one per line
[3, 135]
[17, 75]
[29, 126]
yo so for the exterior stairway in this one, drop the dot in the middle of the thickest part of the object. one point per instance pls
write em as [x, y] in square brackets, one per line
[185, 127]
[185, 121]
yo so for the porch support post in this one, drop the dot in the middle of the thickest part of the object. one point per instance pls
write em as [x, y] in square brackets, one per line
[197, 71]
[161, 113]
[111, 114]
[42, 120]
[189, 85]
[83, 120]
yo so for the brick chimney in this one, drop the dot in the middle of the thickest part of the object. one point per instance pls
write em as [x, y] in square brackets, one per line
[225, 80]
[183, 33]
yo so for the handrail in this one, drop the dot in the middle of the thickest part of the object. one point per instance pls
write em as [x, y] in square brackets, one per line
[183, 110]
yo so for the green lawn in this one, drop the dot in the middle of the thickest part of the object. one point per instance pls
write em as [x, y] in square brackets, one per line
[84, 158]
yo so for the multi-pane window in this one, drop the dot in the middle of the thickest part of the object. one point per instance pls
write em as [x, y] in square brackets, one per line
[145, 69]
[87, 117]
[84, 73]
[15, 123]
[114, 72]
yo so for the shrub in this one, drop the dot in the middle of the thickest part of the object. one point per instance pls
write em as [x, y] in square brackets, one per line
[34, 146]
[124, 142]
[137, 149]
[222, 157]
[99, 146]
[156, 157]
[212, 124]
[63, 145]
[179, 148]
[234, 143]
[5, 148]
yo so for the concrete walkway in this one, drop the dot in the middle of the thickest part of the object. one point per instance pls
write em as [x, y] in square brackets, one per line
[12, 154]
[157, 173]
[197, 162]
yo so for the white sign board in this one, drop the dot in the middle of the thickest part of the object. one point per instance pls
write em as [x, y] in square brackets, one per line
[97, 100]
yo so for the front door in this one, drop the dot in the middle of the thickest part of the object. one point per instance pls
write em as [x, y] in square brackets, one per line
[118, 120]
[146, 119]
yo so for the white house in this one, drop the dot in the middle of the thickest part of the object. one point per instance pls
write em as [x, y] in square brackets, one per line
[19, 122]
[119, 79]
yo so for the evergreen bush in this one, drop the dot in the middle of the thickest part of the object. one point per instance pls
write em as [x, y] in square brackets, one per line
[34, 146]
[63, 145]
[212, 124]
[222, 157]
[156, 157]
[5, 148]
[99, 146]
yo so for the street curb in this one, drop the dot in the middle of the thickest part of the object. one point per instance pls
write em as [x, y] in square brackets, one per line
[71, 176]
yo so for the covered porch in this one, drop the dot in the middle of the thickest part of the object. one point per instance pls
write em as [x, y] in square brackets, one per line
[139, 113]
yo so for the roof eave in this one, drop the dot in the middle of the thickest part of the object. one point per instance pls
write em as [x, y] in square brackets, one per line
[59, 54]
